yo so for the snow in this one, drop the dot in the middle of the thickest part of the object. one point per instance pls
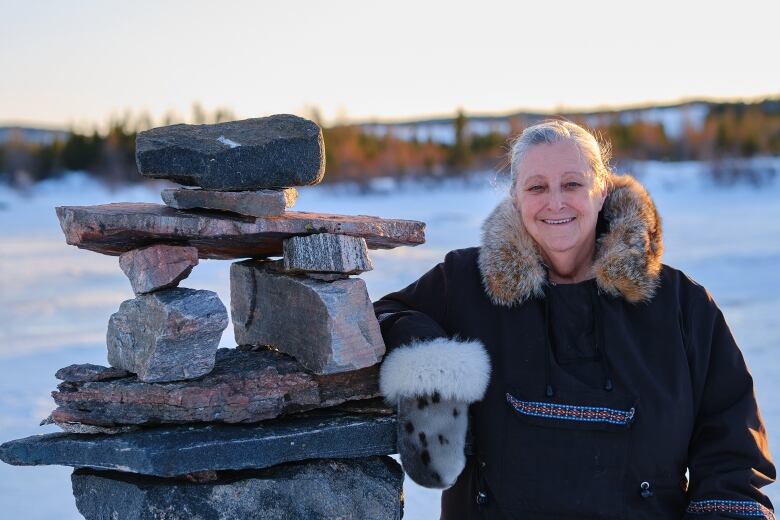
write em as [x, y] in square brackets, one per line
[55, 300]
[224, 140]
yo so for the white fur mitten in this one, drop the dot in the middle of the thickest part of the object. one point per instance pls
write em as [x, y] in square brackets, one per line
[433, 382]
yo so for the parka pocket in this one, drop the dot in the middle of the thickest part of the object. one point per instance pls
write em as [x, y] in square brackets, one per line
[567, 455]
[658, 497]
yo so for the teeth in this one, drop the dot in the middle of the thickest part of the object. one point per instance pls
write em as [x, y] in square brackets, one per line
[562, 221]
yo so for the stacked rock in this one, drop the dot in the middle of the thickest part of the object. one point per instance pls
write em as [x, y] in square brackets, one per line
[290, 421]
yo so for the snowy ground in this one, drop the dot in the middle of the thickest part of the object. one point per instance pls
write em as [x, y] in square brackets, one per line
[55, 300]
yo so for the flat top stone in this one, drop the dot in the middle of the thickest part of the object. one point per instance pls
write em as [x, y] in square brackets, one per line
[180, 450]
[115, 228]
[276, 151]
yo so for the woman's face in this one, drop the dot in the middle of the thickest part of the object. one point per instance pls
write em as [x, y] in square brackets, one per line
[558, 198]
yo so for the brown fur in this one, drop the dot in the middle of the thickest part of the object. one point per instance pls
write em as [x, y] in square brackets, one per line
[628, 256]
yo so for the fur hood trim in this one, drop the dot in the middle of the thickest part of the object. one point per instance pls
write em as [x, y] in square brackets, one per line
[456, 370]
[628, 255]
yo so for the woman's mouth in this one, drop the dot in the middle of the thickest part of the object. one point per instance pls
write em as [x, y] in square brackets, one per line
[558, 221]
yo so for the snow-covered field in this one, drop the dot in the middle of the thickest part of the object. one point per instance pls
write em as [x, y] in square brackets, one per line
[55, 300]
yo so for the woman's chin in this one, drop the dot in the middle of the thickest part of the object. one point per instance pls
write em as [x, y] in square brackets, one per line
[559, 247]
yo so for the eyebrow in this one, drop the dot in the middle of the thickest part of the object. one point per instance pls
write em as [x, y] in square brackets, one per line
[532, 177]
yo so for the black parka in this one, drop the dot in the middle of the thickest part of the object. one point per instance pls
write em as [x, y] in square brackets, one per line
[675, 392]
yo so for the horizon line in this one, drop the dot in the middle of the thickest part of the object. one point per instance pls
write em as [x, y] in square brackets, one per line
[432, 117]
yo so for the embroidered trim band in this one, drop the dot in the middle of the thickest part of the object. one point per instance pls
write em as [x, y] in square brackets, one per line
[571, 412]
[738, 507]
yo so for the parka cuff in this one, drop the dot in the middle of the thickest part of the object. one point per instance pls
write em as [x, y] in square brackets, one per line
[454, 369]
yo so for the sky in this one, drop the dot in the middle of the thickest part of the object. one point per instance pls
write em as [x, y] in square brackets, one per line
[77, 64]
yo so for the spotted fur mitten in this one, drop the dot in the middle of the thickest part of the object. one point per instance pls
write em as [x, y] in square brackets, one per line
[432, 383]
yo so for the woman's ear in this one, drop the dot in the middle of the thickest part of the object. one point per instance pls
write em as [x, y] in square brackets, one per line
[603, 189]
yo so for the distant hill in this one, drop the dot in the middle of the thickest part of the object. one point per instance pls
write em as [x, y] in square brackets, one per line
[674, 119]
[359, 151]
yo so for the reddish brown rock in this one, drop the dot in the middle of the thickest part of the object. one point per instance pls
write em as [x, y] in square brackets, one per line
[115, 228]
[157, 267]
[245, 386]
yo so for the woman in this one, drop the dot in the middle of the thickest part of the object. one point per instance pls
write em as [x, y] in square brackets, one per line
[590, 374]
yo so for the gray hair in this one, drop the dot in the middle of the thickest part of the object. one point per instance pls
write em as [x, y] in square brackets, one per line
[597, 153]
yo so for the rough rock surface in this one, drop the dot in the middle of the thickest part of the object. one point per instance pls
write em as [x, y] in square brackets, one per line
[244, 386]
[359, 489]
[179, 450]
[328, 327]
[115, 228]
[71, 427]
[261, 203]
[328, 253]
[277, 151]
[157, 267]
[88, 372]
[167, 335]
[277, 266]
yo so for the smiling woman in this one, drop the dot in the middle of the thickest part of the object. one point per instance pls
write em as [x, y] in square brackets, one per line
[593, 375]
[558, 194]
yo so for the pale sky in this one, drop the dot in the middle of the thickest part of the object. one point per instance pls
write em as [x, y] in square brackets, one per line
[76, 63]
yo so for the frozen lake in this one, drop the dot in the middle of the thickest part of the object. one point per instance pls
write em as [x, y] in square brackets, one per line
[55, 300]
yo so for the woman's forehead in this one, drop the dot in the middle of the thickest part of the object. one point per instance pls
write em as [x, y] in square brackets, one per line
[553, 159]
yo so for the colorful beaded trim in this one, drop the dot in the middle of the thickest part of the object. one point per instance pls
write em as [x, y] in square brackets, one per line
[571, 412]
[738, 507]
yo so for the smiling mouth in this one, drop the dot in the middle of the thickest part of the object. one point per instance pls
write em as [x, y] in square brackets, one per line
[559, 221]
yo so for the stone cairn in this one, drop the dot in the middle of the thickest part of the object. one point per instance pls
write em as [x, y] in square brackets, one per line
[290, 423]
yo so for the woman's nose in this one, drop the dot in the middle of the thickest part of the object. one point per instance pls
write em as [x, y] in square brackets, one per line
[555, 200]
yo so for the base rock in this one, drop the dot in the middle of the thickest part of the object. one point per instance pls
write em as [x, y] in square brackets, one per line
[367, 488]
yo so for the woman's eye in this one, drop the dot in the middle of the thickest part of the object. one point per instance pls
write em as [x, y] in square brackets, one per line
[572, 185]
[536, 189]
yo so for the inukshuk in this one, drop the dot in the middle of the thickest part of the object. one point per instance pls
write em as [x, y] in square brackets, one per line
[287, 425]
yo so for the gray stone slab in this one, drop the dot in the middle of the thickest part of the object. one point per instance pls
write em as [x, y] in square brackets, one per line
[167, 335]
[267, 152]
[180, 450]
[359, 489]
[260, 203]
[112, 229]
[328, 327]
[327, 253]
[156, 267]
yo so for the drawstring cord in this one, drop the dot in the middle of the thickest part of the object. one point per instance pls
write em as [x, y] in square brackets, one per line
[549, 390]
[599, 338]
[601, 346]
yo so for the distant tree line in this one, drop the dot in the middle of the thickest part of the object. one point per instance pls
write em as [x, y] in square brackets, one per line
[730, 130]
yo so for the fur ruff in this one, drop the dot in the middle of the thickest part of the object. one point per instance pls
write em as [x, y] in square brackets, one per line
[456, 370]
[628, 255]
